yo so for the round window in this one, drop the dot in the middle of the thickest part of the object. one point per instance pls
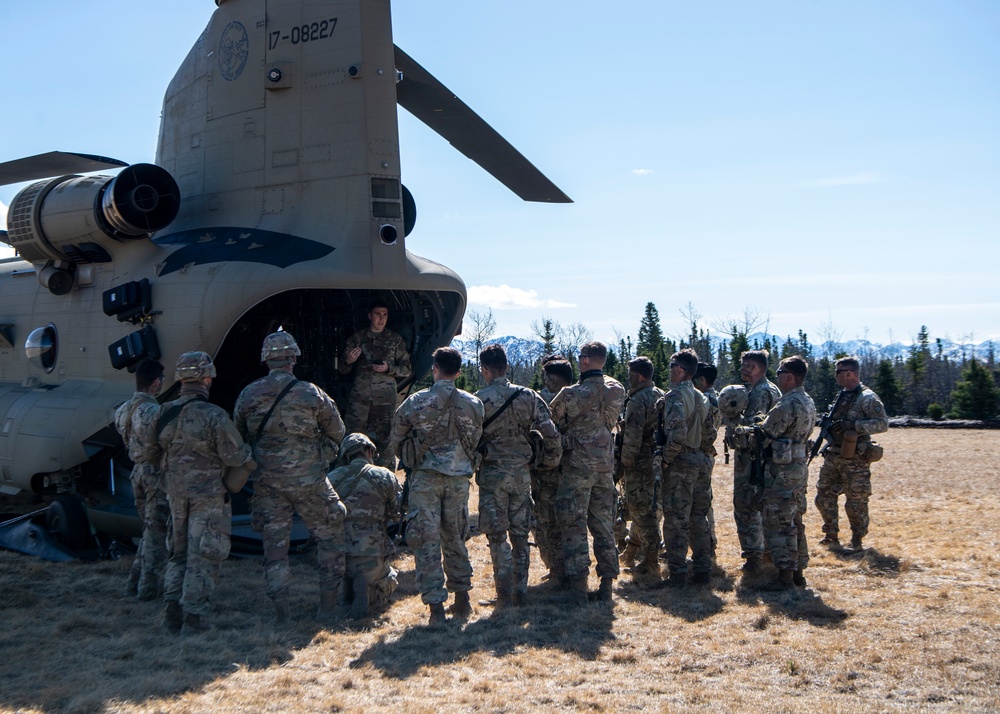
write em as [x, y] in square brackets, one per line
[41, 347]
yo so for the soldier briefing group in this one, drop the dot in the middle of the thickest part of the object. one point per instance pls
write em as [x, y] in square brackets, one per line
[583, 456]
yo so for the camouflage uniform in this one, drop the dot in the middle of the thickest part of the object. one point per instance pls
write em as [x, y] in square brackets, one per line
[371, 495]
[133, 420]
[445, 424]
[196, 448]
[853, 476]
[585, 414]
[505, 481]
[293, 452]
[637, 429]
[375, 395]
[787, 428]
[686, 498]
[544, 485]
[746, 497]
[709, 451]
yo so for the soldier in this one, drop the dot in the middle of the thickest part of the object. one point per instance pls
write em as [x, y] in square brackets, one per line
[378, 357]
[585, 414]
[635, 432]
[511, 413]
[133, 420]
[685, 496]
[761, 396]
[704, 382]
[858, 415]
[786, 430]
[196, 441]
[556, 374]
[441, 427]
[294, 428]
[371, 495]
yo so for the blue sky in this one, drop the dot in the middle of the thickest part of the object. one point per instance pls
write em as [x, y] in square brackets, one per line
[834, 166]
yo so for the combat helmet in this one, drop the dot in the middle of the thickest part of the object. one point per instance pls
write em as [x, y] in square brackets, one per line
[192, 366]
[351, 445]
[279, 346]
[732, 401]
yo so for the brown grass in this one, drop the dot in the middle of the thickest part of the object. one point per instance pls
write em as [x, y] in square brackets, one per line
[911, 625]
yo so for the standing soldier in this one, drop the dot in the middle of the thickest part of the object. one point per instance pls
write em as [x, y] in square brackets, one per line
[195, 442]
[377, 357]
[371, 495]
[132, 420]
[857, 414]
[786, 431]
[761, 396]
[504, 480]
[293, 427]
[441, 427]
[636, 431]
[685, 496]
[704, 382]
[556, 374]
[585, 413]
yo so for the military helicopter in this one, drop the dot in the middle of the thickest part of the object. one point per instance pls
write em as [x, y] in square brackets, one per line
[275, 201]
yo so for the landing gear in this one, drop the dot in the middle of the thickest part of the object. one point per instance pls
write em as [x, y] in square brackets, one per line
[66, 521]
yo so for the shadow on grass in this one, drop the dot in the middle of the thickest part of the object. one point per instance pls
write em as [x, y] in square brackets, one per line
[876, 563]
[798, 603]
[691, 603]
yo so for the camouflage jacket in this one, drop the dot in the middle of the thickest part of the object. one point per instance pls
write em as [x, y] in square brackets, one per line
[446, 438]
[788, 425]
[708, 435]
[372, 500]
[547, 395]
[638, 425]
[132, 420]
[760, 398]
[685, 413]
[196, 447]
[302, 434]
[867, 412]
[506, 438]
[385, 346]
[585, 414]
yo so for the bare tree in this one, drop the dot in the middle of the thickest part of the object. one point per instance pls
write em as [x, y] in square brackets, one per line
[830, 337]
[483, 325]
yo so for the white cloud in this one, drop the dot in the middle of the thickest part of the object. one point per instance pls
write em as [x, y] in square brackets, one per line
[642, 172]
[504, 297]
[861, 178]
[3, 216]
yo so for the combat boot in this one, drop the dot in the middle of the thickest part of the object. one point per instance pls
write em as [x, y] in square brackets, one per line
[701, 578]
[193, 625]
[503, 601]
[437, 618]
[799, 578]
[752, 564]
[627, 556]
[173, 617]
[604, 592]
[280, 612]
[784, 581]
[650, 566]
[576, 590]
[519, 599]
[855, 546]
[328, 603]
[673, 581]
[461, 608]
[830, 540]
[360, 605]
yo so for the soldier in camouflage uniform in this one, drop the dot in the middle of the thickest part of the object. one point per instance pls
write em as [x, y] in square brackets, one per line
[556, 374]
[786, 431]
[860, 413]
[704, 382]
[195, 442]
[435, 432]
[377, 357]
[585, 414]
[762, 395]
[685, 495]
[635, 432]
[133, 420]
[294, 428]
[504, 478]
[371, 495]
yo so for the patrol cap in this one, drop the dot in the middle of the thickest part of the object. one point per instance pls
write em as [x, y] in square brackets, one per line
[192, 366]
[352, 444]
[733, 400]
[279, 346]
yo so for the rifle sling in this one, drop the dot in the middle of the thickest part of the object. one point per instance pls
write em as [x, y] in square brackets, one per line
[495, 415]
[173, 412]
[263, 423]
[426, 445]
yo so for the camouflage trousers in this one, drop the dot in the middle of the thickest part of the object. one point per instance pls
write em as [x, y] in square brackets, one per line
[439, 506]
[783, 505]
[380, 576]
[586, 500]
[505, 507]
[746, 507]
[274, 504]
[708, 466]
[548, 536]
[851, 477]
[639, 500]
[687, 497]
[375, 422]
[150, 561]
[201, 542]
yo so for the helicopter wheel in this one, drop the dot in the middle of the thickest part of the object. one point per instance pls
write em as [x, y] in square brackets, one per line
[66, 520]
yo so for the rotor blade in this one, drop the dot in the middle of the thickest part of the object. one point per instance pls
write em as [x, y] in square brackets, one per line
[54, 163]
[436, 106]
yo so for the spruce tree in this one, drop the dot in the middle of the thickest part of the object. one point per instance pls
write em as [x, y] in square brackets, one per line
[976, 396]
[888, 388]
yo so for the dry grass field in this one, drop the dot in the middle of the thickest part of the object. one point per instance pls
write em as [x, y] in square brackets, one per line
[913, 624]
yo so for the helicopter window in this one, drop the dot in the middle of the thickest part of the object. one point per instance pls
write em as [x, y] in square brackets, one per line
[42, 347]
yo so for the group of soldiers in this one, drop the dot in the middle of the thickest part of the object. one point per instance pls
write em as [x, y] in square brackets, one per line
[549, 464]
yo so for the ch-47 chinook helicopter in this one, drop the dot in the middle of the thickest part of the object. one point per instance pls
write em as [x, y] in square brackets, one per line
[275, 201]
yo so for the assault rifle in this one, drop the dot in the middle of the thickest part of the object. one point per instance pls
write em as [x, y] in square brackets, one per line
[825, 423]
[758, 459]
[659, 441]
